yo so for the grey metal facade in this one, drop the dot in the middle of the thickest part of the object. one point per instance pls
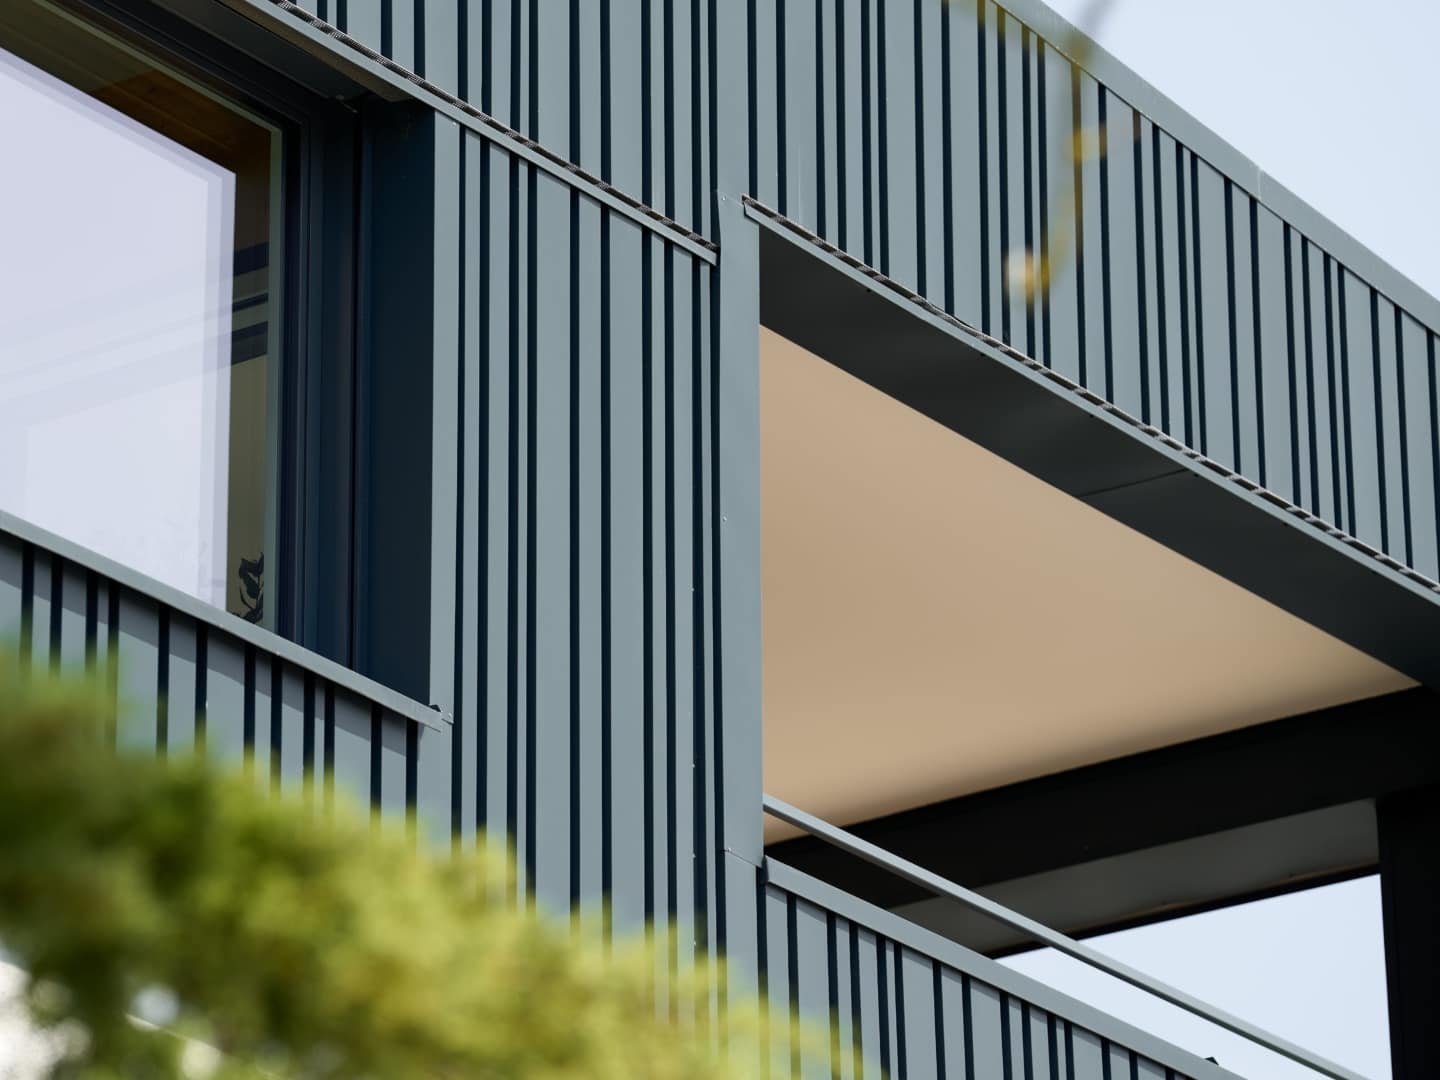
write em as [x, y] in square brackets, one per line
[583, 545]
[184, 677]
[591, 647]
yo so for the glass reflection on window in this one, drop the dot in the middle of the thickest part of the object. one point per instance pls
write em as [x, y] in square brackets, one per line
[139, 374]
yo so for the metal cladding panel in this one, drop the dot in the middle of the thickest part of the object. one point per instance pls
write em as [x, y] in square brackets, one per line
[35, 643]
[68, 625]
[288, 730]
[262, 705]
[1415, 368]
[391, 757]
[14, 591]
[1217, 422]
[1359, 365]
[847, 152]
[847, 1001]
[933, 141]
[351, 776]
[773, 918]
[220, 723]
[810, 983]
[624, 698]
[183, 684]
[915, 1006]
[583, 554]
[141, 673]
[180, 680]
[429, 768]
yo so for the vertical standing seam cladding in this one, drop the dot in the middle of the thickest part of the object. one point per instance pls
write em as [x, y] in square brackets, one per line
[895, 1011]
[179, 684]
[583, 626]
[580, 404]
[619, 87]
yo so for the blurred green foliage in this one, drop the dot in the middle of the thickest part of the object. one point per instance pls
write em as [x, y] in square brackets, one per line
[295, 943]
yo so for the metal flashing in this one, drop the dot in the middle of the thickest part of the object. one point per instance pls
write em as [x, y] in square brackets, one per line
[393, 81]
[236, 627]
[989, 971]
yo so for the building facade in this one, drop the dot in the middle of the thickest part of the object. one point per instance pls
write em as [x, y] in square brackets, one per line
[404, 426]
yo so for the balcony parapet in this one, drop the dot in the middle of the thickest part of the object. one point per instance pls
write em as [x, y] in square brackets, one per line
[183, 675]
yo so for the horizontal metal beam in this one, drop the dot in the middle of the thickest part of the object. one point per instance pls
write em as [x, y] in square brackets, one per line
[1293, 768]
[1176, 880]
[1044, 935]
[236, 627]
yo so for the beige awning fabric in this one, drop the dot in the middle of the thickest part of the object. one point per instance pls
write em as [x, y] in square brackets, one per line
[938, 621]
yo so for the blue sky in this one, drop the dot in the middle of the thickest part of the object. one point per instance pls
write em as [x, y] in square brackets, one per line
[1336, 102]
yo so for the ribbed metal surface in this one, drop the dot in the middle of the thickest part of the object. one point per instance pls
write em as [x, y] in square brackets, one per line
[932, 140]
[890, 1010]
[619, 87]
[583, 543]
[576, 503]
[180, 684]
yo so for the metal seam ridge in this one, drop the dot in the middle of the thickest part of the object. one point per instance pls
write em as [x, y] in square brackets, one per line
[582, 177]
[1090, 397]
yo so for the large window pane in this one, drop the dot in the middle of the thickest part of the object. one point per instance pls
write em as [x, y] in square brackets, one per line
[138, 369]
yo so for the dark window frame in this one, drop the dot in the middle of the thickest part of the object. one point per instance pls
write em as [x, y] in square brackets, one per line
[317, 111]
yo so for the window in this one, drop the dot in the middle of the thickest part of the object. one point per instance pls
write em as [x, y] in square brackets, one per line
[141, 249]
